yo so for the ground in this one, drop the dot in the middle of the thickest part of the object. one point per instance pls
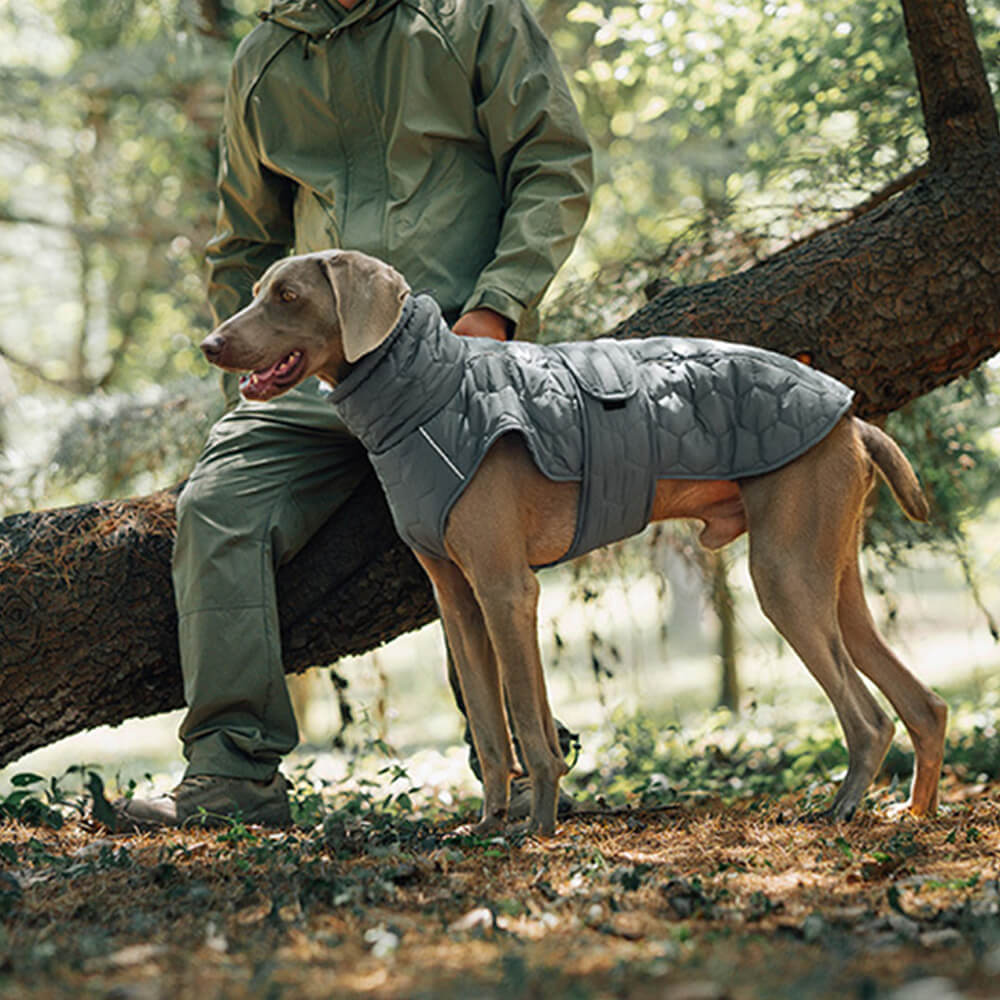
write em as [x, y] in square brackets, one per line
[694, 877]
[702, 898]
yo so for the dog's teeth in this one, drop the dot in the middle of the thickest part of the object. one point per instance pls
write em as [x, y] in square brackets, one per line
[288, 363]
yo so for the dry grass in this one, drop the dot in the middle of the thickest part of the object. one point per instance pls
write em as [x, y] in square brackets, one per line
[702, 900]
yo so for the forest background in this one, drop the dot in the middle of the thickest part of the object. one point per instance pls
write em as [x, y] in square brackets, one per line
[723, 132]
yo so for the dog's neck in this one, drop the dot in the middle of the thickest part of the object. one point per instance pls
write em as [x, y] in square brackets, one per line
[335, 370]
[334, 373]
[408, 376]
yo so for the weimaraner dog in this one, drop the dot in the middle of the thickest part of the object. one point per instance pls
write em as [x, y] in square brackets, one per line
[329, 314]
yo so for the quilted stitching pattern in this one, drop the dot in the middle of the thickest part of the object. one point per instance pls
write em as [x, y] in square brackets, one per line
[615, 415]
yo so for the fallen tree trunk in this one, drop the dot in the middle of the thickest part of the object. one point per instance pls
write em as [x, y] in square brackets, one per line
[901, 300]
[88, 628]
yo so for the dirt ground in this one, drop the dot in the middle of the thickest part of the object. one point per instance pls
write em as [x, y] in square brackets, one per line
[700, 900]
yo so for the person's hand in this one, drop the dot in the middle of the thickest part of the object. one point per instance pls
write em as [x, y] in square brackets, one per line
[482, 323]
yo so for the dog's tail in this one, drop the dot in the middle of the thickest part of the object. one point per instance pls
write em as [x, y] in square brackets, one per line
[896, 470]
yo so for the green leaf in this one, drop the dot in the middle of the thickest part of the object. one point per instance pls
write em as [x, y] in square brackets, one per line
[21, 780]
[845, 848]
[102, 809]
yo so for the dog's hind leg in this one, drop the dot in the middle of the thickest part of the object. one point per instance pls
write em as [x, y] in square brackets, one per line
[924, 714]
[482, 693]
[802, 609]
[802, 519]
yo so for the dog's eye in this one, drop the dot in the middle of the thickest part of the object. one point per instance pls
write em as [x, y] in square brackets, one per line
[287, 295]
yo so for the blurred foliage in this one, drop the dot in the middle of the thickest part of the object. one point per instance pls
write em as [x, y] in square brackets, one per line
[126, 429]
[722, 756]
[108, 129]
[721, 129]
[108, 161]
[950, 435]
[633, 760]
[705, 109]
[774, 114]
[946, 435]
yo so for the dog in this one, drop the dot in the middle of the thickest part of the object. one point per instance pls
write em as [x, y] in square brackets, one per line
[337, 315]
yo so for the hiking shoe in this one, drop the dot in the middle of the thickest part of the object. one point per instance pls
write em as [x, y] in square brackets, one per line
[519, 806]
[209, 800]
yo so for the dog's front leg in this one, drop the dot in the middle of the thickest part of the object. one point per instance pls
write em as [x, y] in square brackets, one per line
[509, 517]
[479, 679]
[510, 605]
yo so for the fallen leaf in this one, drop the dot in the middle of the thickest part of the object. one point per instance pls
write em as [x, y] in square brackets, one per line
[481, 918]
[255, 912]
[382, 940]
[134, 954]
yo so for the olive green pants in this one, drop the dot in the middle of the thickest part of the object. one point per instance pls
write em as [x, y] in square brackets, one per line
[270, 475]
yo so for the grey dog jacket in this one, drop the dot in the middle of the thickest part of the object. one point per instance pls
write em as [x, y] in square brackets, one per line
[613, 415]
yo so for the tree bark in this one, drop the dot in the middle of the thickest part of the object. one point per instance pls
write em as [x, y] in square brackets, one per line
[901, 300]
[959, 114]
[88, 629]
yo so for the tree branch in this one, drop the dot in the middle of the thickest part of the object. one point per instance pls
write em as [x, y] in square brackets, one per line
[890, 190]
[63, 385]
[959, 113]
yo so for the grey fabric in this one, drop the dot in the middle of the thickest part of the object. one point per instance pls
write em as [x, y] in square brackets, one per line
[612, 415]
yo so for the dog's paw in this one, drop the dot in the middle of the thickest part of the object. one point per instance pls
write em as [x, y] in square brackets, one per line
[529, 828]
[487, 827]
[911, 810]
[833, 814]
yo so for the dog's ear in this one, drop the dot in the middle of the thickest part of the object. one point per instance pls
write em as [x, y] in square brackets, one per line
[369, 296]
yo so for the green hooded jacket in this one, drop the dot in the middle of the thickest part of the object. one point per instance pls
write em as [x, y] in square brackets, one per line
[438, 135]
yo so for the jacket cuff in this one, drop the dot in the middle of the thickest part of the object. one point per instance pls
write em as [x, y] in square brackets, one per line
[500, 302]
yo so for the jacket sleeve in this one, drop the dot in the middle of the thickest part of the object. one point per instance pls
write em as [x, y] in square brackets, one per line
[541, 155]
[254, 225]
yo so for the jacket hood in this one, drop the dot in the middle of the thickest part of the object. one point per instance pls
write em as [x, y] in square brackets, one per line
[317, 18]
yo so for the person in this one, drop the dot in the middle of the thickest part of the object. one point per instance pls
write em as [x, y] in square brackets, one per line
[438, 135]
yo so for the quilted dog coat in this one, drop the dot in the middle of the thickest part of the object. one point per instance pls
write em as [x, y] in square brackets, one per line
[613, 415]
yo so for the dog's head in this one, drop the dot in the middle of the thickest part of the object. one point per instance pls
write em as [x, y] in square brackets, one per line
[315, 314]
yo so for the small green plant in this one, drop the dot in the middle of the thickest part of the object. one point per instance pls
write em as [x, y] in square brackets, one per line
[890, 856]
[32, 801]
[726, 757]
[975, 753]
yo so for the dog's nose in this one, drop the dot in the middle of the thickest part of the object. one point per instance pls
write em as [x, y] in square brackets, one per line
[212, 346]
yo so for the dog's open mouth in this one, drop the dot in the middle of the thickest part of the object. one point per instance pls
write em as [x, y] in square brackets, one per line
[270, 382]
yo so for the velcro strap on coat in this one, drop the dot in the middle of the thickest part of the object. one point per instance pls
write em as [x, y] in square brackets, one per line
[607, 374]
